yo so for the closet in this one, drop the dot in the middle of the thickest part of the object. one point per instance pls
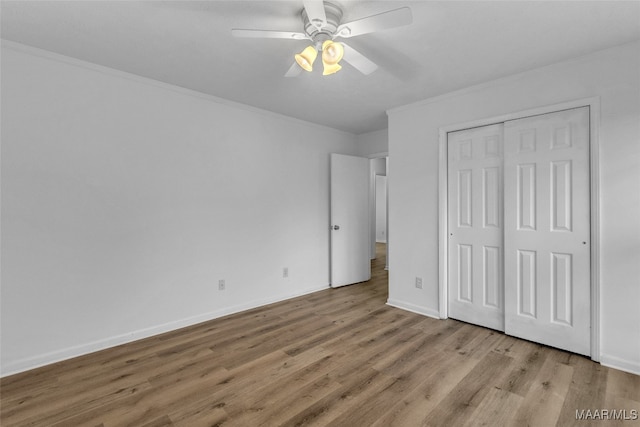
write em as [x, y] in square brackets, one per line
[519, 228]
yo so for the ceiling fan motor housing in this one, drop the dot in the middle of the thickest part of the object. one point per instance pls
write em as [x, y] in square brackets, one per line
[326, 32]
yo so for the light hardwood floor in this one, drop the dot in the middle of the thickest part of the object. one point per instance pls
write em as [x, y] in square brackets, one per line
[336, 357]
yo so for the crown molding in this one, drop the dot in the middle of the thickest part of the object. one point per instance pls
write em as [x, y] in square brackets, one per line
[42, 53]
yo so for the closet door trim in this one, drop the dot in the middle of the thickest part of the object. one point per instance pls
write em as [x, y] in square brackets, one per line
[594, 120]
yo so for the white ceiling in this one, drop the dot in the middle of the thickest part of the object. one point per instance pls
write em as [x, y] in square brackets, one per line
[450, 45]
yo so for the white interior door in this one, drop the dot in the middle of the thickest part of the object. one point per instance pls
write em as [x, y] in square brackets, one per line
[547, 226]
[475, 226]
[350, 260]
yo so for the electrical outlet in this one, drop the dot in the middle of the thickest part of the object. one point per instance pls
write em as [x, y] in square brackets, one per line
[221, 285]
[419, 282]
[285, 272]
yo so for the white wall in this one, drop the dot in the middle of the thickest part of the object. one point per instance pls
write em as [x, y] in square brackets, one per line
[373, 144]
[124, 201]
[614, 76]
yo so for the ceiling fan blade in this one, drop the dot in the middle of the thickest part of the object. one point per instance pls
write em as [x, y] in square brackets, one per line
[358, 60]
[382, 21]
[294, 71]
[315, 12]
[268, 34]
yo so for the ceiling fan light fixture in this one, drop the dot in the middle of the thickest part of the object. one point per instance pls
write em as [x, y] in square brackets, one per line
[332, 52]
[306, 57]
[322, 23]
[330, 68]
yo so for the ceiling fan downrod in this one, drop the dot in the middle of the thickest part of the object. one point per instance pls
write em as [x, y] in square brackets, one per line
[327, 31]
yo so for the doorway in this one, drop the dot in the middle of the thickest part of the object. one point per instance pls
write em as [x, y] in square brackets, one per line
[381, 209]
[378, 219]
[357, 216]
[378, 206]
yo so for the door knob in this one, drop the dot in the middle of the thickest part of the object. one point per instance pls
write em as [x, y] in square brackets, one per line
[336, 227]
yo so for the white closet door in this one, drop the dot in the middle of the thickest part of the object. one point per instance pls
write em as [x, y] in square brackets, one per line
[547, 249]
[475, 226]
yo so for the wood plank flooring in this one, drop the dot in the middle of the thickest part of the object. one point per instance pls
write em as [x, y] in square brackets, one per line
[338, 357]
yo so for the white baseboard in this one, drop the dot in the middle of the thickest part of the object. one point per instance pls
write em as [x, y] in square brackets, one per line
[414, 308]
[632, 367]
[102, 344]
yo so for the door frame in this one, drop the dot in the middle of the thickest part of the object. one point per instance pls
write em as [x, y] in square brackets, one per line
[594, 177]
[375, 206]
[380, 155]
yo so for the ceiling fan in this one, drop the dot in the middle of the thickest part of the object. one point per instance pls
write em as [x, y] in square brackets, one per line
[321, 22]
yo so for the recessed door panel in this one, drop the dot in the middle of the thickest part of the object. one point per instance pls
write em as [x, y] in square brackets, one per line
[465, 149]
[561, 288]
[527, 140]
[561, 137]
[464, 198]
[526, 283]
[561, 195]
[526, 196]
[491, 197]
[492, 277]
[492, 146]
[465, 272]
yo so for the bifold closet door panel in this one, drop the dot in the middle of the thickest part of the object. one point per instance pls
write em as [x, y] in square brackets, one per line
[475, 226]
[547, 229]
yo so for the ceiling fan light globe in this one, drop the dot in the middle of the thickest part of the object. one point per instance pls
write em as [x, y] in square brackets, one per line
[332, 52]
[306, 57]
[303, 63]
[330, 68]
